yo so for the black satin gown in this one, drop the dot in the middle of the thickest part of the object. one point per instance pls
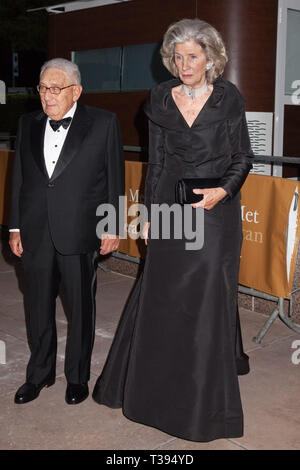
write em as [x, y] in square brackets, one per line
[177, 352]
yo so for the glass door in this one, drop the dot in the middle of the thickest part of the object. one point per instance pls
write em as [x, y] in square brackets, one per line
[287, 90]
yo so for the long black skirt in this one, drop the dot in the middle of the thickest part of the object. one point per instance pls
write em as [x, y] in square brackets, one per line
[177, 352]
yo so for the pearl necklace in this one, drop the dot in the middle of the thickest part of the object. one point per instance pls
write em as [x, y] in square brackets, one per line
[194, 92]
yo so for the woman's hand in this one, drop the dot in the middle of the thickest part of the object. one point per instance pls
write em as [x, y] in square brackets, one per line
[145, 232]
[211, 196]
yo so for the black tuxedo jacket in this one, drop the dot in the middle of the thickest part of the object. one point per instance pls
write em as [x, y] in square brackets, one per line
[89, 171]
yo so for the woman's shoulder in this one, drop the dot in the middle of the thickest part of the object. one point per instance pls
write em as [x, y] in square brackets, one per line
[159, 91]
[231, 91]
[158, 98]
[164, 87]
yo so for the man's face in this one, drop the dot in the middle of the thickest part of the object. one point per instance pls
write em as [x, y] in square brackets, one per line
[56, 106]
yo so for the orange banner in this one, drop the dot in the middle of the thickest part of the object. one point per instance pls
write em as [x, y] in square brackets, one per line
[270, 216]
[135, 174]
[269, 241]
[267, 257]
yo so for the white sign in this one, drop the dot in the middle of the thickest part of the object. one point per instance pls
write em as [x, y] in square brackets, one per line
[260, 132]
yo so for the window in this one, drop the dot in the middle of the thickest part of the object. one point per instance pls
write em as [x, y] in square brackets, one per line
[142, 67]
[136, 67]
[292, 68]
[99, 68]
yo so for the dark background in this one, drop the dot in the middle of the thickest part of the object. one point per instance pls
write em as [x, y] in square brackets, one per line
[249, 29]
[25, 33]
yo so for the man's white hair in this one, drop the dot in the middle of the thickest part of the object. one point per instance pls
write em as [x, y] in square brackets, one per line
[68, 67]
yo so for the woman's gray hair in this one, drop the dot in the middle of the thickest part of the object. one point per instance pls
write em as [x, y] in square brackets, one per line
[68, 67]
[203, 34]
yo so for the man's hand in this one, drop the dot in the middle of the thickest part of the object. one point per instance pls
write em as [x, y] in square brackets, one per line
[109, 243]
[15, 243]
[211, 197]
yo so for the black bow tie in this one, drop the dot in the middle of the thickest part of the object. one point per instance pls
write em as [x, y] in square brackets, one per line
[65, 122]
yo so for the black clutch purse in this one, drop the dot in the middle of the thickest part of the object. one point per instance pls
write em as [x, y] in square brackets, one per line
[184, 189]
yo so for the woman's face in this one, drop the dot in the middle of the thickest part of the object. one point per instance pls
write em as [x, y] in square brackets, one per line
[191, 63]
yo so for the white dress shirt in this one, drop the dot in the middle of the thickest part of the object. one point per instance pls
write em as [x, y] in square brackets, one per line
[53, 143]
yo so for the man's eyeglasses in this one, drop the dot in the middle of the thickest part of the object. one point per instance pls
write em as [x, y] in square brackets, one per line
[55, 90]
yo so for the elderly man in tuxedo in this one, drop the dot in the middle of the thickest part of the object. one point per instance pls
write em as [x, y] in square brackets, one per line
[68, 161]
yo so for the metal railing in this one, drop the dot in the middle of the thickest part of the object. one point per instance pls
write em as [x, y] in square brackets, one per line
[279, 310]
[257, 158]
[137, 149]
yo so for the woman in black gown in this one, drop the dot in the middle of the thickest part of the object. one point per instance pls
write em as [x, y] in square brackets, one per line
[177, 352]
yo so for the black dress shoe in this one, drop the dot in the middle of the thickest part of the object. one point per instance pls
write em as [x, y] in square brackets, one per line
[29, 391]
[76, 393]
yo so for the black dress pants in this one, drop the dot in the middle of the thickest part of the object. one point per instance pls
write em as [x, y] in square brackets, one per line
[44, 271]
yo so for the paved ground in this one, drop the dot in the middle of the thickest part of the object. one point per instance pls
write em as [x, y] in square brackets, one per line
[270, 393]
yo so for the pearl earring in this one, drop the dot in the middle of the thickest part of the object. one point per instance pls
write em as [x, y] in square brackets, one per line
[209, 66]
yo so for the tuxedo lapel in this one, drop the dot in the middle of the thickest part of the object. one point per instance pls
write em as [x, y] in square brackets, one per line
[77, 132]
[37, 140]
